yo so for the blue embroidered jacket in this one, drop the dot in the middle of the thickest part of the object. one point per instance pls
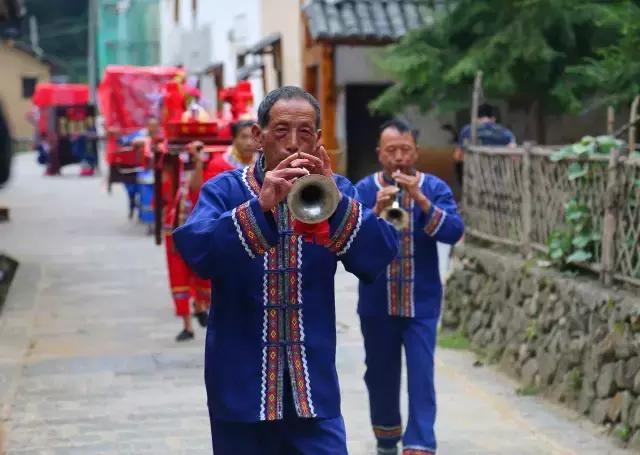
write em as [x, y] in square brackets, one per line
[273, 295]
[412, 285]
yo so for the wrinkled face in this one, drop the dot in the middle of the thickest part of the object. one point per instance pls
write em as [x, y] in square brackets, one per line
[243, 142]
[291, 129]
[397, 151]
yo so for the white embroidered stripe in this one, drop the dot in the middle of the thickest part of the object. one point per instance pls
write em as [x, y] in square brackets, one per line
[246, 182]
[303, 351]
[265, 323]
[444, 216]
[236, 223]
[354, 233]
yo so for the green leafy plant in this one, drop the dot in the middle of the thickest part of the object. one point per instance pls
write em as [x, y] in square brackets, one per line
[623, 432]
[528, 391]
[453, 340]
[575, 380]
[577, 241]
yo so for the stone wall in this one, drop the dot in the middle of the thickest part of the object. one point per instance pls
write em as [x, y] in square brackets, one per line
[569, 338]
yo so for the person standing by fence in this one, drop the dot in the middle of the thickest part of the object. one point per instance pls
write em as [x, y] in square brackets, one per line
[489, 132]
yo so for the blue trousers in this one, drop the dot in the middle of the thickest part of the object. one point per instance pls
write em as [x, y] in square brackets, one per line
[290, 436]
[384, 338]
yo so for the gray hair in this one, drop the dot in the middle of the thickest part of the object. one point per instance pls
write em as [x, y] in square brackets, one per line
[288, 92]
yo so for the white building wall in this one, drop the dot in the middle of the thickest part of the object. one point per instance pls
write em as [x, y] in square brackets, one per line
[215, 34]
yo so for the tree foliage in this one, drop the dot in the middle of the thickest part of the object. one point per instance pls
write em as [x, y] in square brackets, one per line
[524, 48]
[613, 73]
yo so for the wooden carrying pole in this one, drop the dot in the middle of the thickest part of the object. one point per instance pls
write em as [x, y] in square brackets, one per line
[610, 218]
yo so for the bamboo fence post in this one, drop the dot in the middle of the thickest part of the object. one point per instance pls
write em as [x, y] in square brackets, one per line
[475, 102]
[526, 200]
[610, 219]
[633, 118]
[611, 120]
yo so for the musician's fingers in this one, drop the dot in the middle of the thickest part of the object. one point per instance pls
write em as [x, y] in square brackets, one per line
[300, 162]
[290, 172]
[287, 161]
[317, 161]
[322, 152]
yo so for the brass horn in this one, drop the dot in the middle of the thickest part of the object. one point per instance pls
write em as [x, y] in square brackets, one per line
[313, 198]
[396, 215]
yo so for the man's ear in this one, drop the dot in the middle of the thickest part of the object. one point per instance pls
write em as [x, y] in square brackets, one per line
[256, 134]
[318, 138]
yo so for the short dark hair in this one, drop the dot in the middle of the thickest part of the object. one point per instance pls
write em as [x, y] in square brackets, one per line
[239, 126]
[401, 126]
[487, 110]
[288, 92]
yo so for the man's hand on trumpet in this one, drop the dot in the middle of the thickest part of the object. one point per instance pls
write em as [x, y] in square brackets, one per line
[411, 184]
[278, 182]
[385, 198]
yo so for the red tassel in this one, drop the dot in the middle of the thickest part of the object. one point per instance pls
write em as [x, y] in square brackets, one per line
[318, 233]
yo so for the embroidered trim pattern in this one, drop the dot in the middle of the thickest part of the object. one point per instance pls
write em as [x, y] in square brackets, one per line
[387, 432]
[265, 326]
[248, 230]
[347, 230]
[436, 221]
[401, 271]
[417, 450]
[283, 330]
[250, 181]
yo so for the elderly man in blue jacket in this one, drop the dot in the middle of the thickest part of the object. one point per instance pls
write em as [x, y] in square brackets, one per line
[270, 347]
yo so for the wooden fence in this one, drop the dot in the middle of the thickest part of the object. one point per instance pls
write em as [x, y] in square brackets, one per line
[516, 196]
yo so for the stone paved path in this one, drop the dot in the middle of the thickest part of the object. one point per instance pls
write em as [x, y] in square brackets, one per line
[88, 364]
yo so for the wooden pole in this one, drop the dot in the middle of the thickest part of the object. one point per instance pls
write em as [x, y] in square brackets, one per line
[328, 102]
[633, 118]
[475, 102]
[157, 193]
[526, 200]
[611, 120]
[610, 219]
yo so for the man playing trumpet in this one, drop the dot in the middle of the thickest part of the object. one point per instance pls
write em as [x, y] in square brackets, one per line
[401, 308]
[270, 349]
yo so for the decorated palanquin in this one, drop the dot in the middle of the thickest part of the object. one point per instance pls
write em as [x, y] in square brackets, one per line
[130, 97]
[182, 127]
[65, 127]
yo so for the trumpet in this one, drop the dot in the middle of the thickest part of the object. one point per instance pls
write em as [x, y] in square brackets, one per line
[313, 198]
[396, 215]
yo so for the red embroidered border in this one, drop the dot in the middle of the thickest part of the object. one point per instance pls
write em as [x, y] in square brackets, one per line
[273, 337]
[387, 433]
[434, 222]
[417, 452]
[341, 237]
[251, 230]
[251, 179]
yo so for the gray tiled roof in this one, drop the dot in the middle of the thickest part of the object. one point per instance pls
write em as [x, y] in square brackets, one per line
[361, 20]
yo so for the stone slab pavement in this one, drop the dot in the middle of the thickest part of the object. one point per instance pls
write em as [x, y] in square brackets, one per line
[88, 364]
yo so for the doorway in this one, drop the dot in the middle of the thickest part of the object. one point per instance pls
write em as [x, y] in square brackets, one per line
[362, 129]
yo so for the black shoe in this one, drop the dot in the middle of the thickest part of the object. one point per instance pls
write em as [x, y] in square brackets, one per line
[131, 212]
[185, 335]
[202, 317]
